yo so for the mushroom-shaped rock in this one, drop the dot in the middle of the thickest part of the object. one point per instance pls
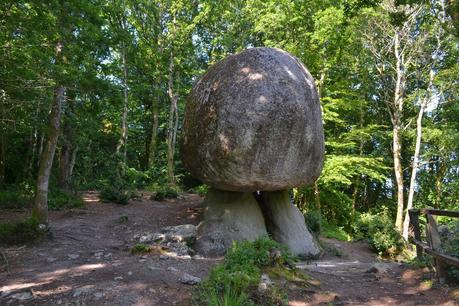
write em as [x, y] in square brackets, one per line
[253, 122]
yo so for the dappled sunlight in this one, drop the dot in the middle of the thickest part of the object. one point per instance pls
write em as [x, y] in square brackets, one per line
[48, 277]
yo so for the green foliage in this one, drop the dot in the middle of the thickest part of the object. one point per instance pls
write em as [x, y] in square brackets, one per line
[25, 231]
[330, 230]
[116, 193]
[140, 248]
[450, 245]
[20, 196]
[59, 200]
[232, 281]
[201, 189]
[380, 232]
[313, 220]
[166, 191]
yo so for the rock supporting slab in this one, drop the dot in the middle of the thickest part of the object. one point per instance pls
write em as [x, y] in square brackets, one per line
[229, 216]
[253, 122]
[286, 224]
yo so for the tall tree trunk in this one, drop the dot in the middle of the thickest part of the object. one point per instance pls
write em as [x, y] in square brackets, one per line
[422, 108]
[173, 122]
[320, 85]
[414, 169]
[397, 128]
[122, 144]
[397, 147]
[65, 158]
[40, 210]
[2, 139]
[154, 133]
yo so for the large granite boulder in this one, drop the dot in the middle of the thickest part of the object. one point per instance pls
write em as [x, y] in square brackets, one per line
[253, 122]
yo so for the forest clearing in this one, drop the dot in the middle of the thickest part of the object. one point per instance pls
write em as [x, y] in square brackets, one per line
[231, 152]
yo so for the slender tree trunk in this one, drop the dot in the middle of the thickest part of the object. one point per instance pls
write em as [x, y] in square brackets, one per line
[154, 133]
[40, 210]
[172, 124]
[320, 84]
[417, 150]
[397, 128]
[2, 140]
[65, 158]
[73, 161]
[397, 147]
[414, 169]
[122, 144]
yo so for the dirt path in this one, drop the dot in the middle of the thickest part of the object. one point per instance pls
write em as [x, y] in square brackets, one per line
[87, 262]
[359, 278]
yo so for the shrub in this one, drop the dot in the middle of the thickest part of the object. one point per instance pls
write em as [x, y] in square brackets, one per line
[117, 191]
[230, 283]
[21, 232]
[17, 196]
[201, 189]
[313, 220]
[58, 200]
[333, 231]
[140, 248]
[161, 192]
[380, 232]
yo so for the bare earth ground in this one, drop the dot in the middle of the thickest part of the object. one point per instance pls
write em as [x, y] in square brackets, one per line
[87, 262]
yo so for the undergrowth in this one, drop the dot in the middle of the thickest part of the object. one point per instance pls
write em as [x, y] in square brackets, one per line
[234, 282]
[24, 231]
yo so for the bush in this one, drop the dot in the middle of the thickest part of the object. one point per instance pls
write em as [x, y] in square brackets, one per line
[201, 189]
[117, 191]
[161, 192]
[140, 248]
[333, 231]
[58, 200]
[380, 232]
[21, 232]
[313, 220]
[231, 282]
[18, 196]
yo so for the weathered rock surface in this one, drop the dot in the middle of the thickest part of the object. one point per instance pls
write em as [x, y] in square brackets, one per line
[253, 122]
[228, 216]
[184, 233]
[286, 224]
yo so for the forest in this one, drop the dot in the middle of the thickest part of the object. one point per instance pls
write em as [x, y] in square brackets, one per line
[93, 93]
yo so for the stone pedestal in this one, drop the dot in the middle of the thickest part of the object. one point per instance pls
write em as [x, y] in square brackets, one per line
[229, 216]
[285, 223]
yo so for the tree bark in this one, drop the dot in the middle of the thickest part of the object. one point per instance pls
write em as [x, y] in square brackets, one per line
[40, 210]
[2, 141]
[65, 158]
[154, 133]
[397, 127]
[173, 123]
[122, 144]
[414, 169]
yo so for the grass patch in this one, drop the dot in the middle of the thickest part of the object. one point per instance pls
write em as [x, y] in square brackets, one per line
[140, 248]
[235, 281]
[25, 231]
[335, 232]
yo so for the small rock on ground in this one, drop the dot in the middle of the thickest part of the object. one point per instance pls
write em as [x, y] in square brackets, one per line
[189, 279]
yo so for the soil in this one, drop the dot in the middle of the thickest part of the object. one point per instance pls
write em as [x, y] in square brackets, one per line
[87, 261]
